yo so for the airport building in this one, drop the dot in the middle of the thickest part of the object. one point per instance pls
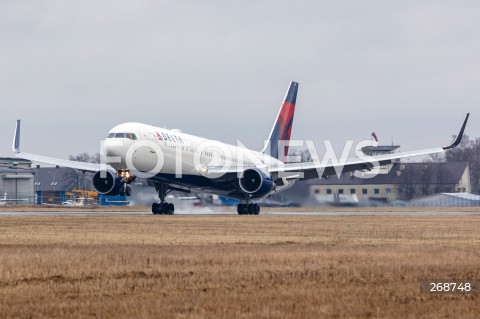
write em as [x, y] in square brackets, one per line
[53, 183]
[17, 180]
[67, 186]
[21, 184]
[393, 182]
[404, 181]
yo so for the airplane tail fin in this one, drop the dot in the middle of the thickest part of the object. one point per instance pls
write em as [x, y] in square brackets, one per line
[277, 143]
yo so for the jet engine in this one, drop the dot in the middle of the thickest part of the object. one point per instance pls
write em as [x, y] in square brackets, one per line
[256, 182]
[107, 183]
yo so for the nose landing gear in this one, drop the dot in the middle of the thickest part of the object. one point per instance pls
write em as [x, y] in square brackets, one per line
[127, 178]
[125, 190]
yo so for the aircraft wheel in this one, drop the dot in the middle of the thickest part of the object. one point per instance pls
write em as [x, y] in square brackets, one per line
[164, 208]
[155, 208]
[171, 208]
[128, 191]
[256, 209]
[121, 192]
[242, 209]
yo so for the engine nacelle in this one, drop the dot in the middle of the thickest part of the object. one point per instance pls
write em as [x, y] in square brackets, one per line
[107, 183]
[256, 182]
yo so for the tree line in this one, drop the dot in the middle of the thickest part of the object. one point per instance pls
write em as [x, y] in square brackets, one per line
[468, 151]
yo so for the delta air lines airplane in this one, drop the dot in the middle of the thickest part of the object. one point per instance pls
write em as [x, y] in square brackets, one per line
[173, 160]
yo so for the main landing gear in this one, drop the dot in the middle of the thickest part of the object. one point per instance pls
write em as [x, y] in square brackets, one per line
[162, 208]
[248, 208]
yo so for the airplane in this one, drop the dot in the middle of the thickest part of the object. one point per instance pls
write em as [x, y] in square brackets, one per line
[4, 200]
[171, 160]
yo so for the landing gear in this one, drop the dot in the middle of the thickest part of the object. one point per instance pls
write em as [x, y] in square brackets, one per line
[162, 208]
[127, 178]
[248, 209]
[125, 190]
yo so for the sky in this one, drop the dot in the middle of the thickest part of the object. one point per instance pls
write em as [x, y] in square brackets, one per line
[71, 70]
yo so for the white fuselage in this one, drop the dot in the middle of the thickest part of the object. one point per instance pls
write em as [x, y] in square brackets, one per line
[153, 150]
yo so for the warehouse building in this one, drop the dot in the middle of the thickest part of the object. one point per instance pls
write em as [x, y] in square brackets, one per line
[404, 181]
[17, 180]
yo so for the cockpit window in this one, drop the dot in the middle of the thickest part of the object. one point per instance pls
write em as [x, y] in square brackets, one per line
[130, 136]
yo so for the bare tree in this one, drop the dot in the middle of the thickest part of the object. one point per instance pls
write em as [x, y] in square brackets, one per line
[302, 154]
[436, 158]
[84, 179]
[408, 185]
[468, 151]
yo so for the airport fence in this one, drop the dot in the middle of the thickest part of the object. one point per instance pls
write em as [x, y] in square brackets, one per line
[61, 200]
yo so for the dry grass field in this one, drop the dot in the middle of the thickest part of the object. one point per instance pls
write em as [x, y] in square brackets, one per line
[146, 266]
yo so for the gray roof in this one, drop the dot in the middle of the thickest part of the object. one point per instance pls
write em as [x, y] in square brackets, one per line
[13, 159]
[401, 173]
[13, 162]
[65, 179]
[18, 170]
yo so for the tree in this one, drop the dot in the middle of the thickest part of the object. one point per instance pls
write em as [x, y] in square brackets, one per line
[436, 158]
[408, 185]
[85, 157]
[468, 151]
[303, 154]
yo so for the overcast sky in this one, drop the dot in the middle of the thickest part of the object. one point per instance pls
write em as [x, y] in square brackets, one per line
[71, 70]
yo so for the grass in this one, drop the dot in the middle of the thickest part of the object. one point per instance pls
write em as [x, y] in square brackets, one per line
[145, 266]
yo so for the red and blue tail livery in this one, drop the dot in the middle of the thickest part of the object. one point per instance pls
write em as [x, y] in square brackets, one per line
[277, 143]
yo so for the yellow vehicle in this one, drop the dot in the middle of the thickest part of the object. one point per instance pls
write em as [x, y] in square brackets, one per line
[78, 197]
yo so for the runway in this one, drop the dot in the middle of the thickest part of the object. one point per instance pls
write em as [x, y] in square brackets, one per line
[207, 211]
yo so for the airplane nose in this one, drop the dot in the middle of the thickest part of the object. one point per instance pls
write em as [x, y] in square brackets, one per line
[114, 147]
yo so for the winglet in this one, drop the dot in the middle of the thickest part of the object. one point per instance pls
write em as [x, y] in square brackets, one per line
[16, 138]
[459, 136]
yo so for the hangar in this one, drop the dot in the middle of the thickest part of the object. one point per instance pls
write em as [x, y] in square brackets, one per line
[17, 180]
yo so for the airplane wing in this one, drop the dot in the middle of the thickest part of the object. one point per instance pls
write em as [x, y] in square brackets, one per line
[89, 167]
[318, 169]
[310, 170]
